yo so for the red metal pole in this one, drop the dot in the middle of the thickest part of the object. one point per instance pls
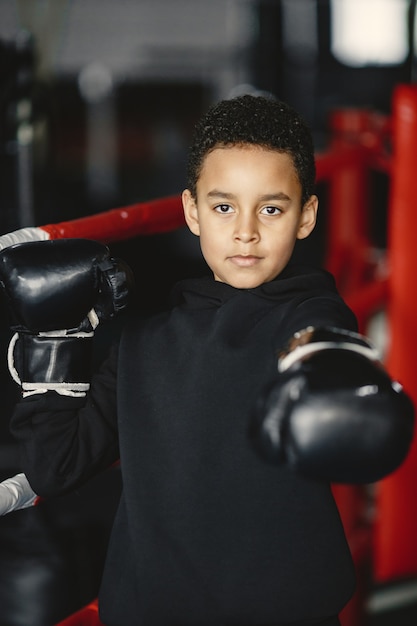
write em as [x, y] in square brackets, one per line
[395, 546]
[347, 234]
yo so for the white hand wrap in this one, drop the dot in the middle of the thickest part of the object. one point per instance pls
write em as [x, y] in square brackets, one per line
[15, 494]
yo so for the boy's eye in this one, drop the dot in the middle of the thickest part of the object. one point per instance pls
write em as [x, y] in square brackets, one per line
[223, 208]
[271, 210]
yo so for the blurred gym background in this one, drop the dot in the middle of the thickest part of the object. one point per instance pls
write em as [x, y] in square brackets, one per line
[98, 99]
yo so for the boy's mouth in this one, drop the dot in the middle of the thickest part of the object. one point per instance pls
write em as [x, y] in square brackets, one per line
[245, 260]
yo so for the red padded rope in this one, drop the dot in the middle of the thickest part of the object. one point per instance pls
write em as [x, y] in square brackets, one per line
[144, 218]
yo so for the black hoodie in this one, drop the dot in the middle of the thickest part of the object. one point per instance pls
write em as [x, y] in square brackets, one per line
[207, 533]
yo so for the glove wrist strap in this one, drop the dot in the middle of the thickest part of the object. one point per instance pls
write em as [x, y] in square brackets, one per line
[41, 363]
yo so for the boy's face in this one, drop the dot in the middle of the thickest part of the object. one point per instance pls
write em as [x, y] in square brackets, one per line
[248, 214]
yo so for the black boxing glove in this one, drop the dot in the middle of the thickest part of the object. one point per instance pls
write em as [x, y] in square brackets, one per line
[333, 413]
[58, 292]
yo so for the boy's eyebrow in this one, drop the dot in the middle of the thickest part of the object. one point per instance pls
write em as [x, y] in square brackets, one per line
[217, 193]
[280, 195]
[268, 197]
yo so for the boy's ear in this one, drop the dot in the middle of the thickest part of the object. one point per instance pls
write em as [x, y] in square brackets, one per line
[190, 212]
[308, 217]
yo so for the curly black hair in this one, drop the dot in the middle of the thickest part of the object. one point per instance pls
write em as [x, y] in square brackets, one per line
[257, 120]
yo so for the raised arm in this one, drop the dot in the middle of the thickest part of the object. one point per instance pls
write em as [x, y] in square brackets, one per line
[58, 292]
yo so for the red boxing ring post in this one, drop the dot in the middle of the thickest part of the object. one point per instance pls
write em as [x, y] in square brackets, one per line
[357, 147]
[396, 504]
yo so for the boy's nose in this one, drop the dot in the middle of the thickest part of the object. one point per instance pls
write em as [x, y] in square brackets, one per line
[246, 229]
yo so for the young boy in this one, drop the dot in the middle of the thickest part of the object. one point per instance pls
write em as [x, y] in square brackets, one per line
[226, 516]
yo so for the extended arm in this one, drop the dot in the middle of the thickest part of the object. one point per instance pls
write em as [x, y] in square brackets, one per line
[333, 413]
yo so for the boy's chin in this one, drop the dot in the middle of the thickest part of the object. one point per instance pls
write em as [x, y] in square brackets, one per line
[244, 282]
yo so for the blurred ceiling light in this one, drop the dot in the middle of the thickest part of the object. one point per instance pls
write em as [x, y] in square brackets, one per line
[369, 32]
[95, 82]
